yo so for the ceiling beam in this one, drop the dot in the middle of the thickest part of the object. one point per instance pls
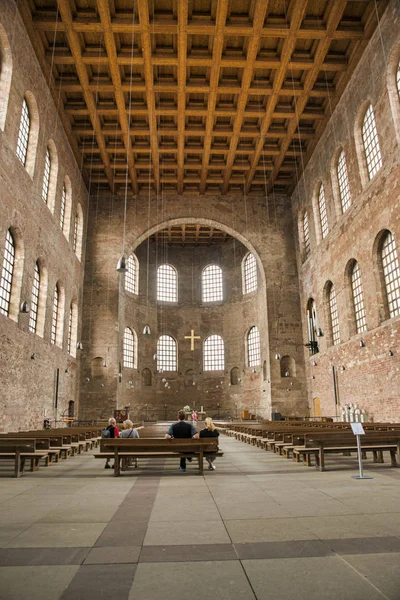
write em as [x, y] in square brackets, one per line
[182, 53]
[73, 41]
[105, 17]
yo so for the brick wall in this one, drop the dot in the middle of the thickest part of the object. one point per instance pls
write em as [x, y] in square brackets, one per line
[28, 385]
[366, 375]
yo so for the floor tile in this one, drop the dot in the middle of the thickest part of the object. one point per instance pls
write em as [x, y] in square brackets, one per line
[42, 556]
[320, 578]
[209, 532]
[382, 570]
[113, 555]
[202, 552]
[267, 530]
[35, 583]
[205, 580]
[49, 535]
[95, 582]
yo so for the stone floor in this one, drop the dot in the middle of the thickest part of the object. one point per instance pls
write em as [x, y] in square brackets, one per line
[258, 527]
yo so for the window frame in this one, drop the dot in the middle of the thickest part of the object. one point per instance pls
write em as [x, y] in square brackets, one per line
[249, 275]
[168, 362]
[374, 144]
[207, 284]
[167, 297]
[213, 350]
[252, 355]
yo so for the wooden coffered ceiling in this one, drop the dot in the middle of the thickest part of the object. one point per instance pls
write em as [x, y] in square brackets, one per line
[198, 96]
[191, 235]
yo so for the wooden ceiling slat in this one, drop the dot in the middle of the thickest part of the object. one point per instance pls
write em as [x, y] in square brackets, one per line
[214, 78]
[105, 16]
[66, 15]
[182, 53]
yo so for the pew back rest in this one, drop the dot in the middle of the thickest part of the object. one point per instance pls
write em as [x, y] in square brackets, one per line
[349, 439]
[17, 445]
[160, 445]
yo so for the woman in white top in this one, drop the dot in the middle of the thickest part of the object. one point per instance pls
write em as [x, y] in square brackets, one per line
[128, 432]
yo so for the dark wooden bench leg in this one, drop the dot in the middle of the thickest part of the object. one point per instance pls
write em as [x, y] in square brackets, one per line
[201, 464]
[321, 465]
[393, 458]
[17, 467]
[117, 468]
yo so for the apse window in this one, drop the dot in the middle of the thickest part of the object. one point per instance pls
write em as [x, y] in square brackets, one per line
[7, 274]
[167, 284]
[166, 354]
[249, 273]
[358, 299]
[129, 348]
[214, 355]
[69, 330]
[34, 300]
[398, 79]
[75, 239]
[212, 287]
[391, 272]
[343, 181]
[54, 320]
[46, 177]
[131, 275]
[334, 317]
[306, 236]
[23, 133]
[253, 347]
[371, 143]
[323, 216]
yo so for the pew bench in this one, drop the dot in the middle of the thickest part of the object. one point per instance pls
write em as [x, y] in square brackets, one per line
[21, 450]
[148, 448]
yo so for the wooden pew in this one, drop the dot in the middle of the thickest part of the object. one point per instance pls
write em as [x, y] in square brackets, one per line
[157, 448]
[319, 444]
[20, 450]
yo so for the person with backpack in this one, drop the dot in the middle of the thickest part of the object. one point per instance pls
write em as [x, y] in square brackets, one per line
[110, 432]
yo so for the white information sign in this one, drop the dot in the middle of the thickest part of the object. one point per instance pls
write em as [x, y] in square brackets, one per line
[357, 428]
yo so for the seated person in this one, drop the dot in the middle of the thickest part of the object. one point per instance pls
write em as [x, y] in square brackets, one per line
[181, 429]
[207, 432]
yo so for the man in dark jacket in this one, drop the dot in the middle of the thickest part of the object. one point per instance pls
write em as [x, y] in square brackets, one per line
[114, 433]
[182, 429]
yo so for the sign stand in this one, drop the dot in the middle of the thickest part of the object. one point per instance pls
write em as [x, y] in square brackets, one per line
[358, 430]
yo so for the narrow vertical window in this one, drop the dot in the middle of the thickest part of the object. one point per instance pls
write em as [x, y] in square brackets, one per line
[214, 356]
[62, 209]
[391, 272]
[75, 232]
[358, 299]
[46, 177]
[131, 276]
[166, 354]
[306, 235]
[212, 289]
[312, 325]
[70, 329]
[34, 300]
[129, 348]
[249, 274]
[167, 288]
[7, 274]
[54, 320]
[323, 217]
[253, 347]
[371, 143]
[23, 133]
[343, 181]
[334, 316]
[398, 79]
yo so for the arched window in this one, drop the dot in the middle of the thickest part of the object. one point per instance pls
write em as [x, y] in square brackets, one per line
[166, 354]
[212, 290]
[55, 318]
[34, 299]
[333, 311]
[132, 275]
[7, 274]
[253, 347]
[78, 232]
[57, 324]
[370, 139]
[343, 182]
[306, 235]
[129, 348]
[73, 328]
[288, 366]
[214, 355]
[358, 299]
[23, 133]
[62, 207]
[5, 75]
[146, 377]
[235, 376]
[249, 273]
[167, 284]
[46, 176]
[323, 217]
[65, 209]
[75, 238]
[398, 79]
[391, 273]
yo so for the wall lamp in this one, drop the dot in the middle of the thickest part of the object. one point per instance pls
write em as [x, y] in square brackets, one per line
[320, 333]
[390, 353]
[277, 356]
[79, 346]
[121, 265]
[362, 344]
[24, 307]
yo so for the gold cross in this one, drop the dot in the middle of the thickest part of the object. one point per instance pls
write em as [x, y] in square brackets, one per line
[192, 337]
